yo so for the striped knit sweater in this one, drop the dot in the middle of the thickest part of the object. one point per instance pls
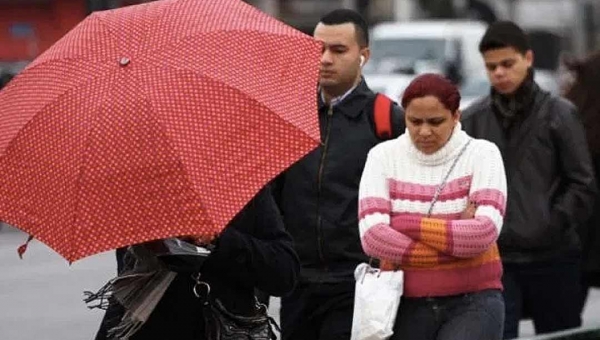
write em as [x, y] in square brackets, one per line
[443, 254]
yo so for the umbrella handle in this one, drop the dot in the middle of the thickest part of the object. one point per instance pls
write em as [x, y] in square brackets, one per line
[23, 248]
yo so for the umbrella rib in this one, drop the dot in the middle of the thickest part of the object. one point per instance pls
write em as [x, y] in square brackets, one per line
[146, 97]
[43, 108]
[99, 17]
[168, 6]
[81, 171]
[229, 86]
[176, 46]
[286, 121]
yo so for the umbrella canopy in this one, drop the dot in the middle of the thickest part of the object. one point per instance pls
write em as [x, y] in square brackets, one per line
[153, 121]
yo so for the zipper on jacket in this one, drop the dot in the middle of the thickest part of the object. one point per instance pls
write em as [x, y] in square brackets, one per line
[319, 183]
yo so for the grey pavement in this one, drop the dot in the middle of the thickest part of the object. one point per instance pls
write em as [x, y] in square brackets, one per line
[41, 295]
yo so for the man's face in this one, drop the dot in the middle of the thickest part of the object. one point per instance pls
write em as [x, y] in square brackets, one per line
[340, 61]
[507, 68]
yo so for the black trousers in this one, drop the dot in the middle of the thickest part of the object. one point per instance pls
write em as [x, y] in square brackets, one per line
[550, 291]
[318, 311]
[588, 281]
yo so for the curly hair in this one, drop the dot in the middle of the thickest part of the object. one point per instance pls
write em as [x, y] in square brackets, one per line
[584, 94]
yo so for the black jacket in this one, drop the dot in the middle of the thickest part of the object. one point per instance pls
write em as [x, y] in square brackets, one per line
[591, 237]
[551, 184]
[318, 195]
[254, 251]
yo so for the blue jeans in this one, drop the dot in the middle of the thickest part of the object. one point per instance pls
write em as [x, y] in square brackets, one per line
[472, 316]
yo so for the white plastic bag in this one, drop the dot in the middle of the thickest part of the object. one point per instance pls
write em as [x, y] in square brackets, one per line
[376, 302]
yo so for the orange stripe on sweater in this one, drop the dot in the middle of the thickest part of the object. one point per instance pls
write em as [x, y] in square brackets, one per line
[416, 263]
[489, 256]
[438, 234]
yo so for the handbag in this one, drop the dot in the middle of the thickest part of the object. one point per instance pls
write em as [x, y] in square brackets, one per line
[378, 293]
[222, 324]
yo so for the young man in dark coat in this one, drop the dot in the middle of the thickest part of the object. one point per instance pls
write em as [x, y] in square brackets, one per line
[551, 186]
[318, 196]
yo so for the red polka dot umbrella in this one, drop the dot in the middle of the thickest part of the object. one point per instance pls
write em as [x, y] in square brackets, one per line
[153, 121]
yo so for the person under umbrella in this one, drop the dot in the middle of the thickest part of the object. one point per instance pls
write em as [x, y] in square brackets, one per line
[254, 251]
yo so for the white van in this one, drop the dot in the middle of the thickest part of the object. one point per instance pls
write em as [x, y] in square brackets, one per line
[450, 47]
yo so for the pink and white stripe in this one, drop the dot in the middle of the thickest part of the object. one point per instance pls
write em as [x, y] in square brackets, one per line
[437, 252]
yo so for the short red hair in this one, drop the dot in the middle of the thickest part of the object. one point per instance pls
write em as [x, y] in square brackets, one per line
[430, 84]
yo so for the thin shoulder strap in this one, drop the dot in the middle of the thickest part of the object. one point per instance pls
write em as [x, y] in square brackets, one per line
[440, 187]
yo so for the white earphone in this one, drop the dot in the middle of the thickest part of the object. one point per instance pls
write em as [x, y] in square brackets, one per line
[362, 60]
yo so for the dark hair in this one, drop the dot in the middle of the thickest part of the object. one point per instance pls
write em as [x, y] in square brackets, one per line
[344, 16]
[430, 84]
[502, 34]
[584, 94]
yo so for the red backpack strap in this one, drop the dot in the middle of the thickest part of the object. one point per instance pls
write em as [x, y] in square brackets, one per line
[382, 116]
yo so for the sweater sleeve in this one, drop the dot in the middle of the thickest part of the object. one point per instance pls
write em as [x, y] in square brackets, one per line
[469, 237]
[378, 239]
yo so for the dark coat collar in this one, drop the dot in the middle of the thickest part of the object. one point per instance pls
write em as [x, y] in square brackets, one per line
[353, 104]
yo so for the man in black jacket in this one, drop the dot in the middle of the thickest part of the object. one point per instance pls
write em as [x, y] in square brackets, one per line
[318, 195]
[550, 178]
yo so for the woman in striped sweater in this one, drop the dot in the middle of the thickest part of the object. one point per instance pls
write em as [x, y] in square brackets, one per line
[445, 243]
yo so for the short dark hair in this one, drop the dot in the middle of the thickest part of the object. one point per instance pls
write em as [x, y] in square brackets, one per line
[502, 34]
[344, 16]
[431, 84]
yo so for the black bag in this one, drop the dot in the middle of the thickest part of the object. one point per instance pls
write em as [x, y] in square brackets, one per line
[221, 324]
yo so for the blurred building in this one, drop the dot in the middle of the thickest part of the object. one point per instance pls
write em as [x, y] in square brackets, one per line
[304, 14]
[29, 27]
[555, 26]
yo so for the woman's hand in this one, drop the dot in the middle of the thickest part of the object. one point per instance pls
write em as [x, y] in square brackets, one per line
[469, 212]
[200, 240]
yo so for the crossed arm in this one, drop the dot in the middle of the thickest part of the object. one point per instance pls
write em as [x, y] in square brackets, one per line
[415, 240]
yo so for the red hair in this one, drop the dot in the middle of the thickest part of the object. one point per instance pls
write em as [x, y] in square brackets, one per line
[430, 84]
